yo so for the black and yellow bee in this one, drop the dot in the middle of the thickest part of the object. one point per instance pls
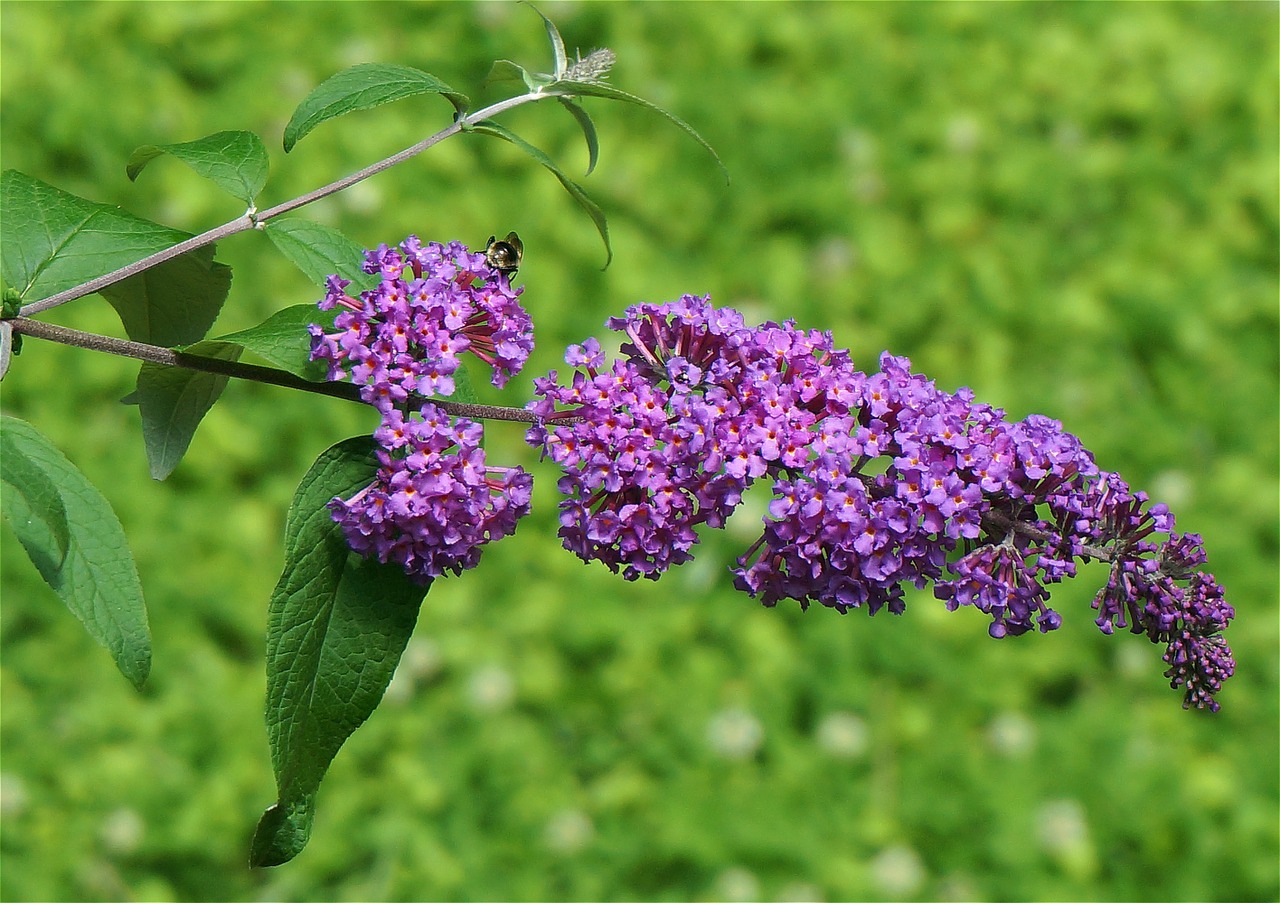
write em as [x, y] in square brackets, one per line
[505, 255]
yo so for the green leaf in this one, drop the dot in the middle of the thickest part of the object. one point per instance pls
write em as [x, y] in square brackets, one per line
[234, 161]
[364, 87]
[489, 127]
[173, 401]
[32, 499]
[336, 628]
[284, 341]
[76, 543]
[597, 89]
[557, 44]
[464, 390]
[174, 303]
[320, 252]
[588, 130]
[51, 241]
[505, 70]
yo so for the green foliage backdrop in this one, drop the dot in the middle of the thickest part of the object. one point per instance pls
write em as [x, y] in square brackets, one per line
[1069, 207]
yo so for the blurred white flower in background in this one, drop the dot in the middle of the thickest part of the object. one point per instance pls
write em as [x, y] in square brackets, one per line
[800, 892]
[1063, 832]
[897, 872]
[843, 735]
[420, 662]
[491, 689]
[737, 885]
[121, 831]
[1060, 825]
[569, 831]
[1012, 734]
[735, 733]
[964, 133]
[13, 795]
[958, 888]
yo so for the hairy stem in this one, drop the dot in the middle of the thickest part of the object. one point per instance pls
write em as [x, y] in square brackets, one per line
[168, 357]
[251, 220]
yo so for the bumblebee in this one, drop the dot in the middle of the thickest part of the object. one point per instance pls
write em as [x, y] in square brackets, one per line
[505, 255]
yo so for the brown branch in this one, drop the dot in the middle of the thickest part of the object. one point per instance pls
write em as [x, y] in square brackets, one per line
[168, 357]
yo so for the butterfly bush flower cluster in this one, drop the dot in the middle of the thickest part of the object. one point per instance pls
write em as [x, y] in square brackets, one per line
[434, 501]
[879, 480]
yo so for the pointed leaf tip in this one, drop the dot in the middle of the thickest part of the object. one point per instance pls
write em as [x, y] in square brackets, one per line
[557, 43]
[234, 161]
[173, 400]
[282, 833]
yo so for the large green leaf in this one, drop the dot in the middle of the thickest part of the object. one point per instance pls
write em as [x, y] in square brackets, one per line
[76, 543]
[284, 341]
[489, 127]
[174, 303]
[234, 161]
[363, 87]
[173, 401]
[320, 252]
[51, 241]
[336, 629]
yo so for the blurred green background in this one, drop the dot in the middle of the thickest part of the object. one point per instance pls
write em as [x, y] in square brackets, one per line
[1071, 208]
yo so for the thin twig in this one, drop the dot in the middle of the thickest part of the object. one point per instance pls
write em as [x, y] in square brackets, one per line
[251, 220]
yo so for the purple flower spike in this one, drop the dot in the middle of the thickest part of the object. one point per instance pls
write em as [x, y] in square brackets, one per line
[880, 480]
[669, 438]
